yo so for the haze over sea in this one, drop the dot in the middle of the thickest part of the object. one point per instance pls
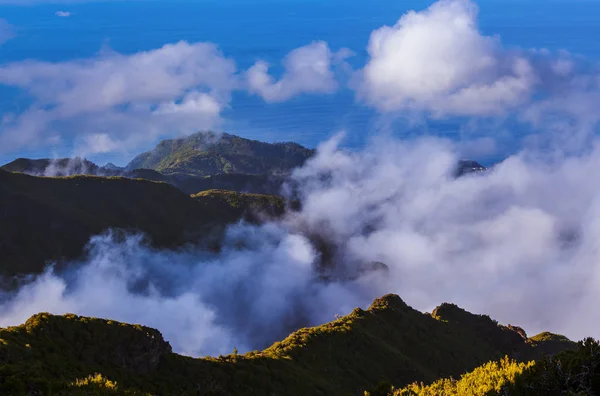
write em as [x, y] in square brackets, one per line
[248, 31]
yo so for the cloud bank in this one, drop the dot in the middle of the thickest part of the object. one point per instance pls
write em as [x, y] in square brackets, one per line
[117, 102]
[63, 14]
[518, 243]
[120, 101]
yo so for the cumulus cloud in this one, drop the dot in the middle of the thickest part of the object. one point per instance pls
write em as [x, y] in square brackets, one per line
[116, 102]
[308, 69]
[120, 100]
[437, 60]
[63, 14]
[494, 243]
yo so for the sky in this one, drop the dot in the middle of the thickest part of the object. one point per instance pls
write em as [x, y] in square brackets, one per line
[108, 80]
[392, 94]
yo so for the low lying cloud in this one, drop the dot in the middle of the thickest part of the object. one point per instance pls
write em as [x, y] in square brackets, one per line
[517, 242]
[308, 69]
[63, 14]
[205, 304]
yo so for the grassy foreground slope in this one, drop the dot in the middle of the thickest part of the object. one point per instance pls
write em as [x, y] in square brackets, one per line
[389, 342]
[575, 371]
[45, 219]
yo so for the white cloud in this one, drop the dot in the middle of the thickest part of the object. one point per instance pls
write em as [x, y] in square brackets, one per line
[437, 60]
[117, 102]
[193, 103]
[434, 62]
[493, 243]
[308, 69]
[203, 303]
[124, 99]
[63, 14]
[114, 79]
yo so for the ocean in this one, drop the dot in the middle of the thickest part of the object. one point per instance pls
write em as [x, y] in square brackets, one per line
[268, 29]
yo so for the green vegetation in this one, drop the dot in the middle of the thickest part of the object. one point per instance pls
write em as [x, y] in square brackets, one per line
[575, 371]
[202, 161]
[572, 372]
[52, 219]
[489, 379]
[238, 205]
[388, 343]
[208, 153]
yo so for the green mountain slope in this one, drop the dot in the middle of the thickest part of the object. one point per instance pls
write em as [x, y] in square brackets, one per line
[44, 219]
[199, 162]
[388, 342]
[207, 153]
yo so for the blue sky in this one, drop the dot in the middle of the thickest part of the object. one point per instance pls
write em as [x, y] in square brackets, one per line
[81, 44]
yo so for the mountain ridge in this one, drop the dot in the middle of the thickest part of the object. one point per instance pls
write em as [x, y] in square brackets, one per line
[53, 218]
[208, 153]
[202, 161]
[388, 342]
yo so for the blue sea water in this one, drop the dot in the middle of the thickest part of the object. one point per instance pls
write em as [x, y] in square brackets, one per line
[268, 29]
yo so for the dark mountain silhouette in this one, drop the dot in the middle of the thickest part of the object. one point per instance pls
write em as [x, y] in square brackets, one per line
[52, 218]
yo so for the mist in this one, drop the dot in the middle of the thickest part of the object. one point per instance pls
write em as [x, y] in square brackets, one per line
[517, 242]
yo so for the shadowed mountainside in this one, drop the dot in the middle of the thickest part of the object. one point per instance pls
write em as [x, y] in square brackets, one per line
[389, 342]
[202, 161]
[52, 218]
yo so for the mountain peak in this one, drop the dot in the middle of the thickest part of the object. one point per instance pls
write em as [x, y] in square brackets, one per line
[209, 153]
[390, 341]
[389, 301]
